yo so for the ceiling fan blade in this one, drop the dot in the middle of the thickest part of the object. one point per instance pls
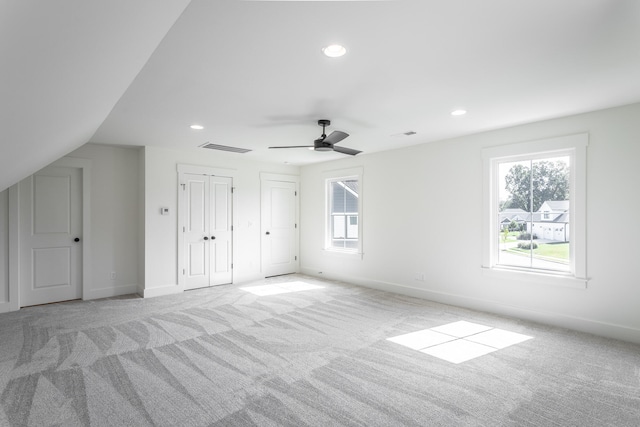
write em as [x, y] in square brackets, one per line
[345, 150]
[295, 146]
[335, 137]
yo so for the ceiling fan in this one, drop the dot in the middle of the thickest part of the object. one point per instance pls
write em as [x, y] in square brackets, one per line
[326, 143]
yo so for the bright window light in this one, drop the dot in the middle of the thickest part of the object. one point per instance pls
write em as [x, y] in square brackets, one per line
[280, 288]
[458, 112]
[459, 341]
[196, 127]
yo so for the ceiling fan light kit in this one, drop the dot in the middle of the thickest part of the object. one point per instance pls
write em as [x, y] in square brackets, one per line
[327, 142]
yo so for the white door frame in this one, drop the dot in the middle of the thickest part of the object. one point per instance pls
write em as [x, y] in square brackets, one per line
[196, 170]
[14, 231]
[264, 176]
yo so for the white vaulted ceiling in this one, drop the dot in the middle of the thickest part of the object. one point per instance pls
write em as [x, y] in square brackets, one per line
[252, 72]
[63, 66]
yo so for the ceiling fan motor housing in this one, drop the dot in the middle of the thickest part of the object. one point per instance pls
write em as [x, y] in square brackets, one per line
[320, 145]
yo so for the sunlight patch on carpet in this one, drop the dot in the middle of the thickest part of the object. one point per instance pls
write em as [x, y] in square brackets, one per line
[459, 341]
[280, 288]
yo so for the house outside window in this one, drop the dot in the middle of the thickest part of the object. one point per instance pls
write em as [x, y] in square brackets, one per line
[344, 213]
[539, 190]
[534, 209]
[344, 224]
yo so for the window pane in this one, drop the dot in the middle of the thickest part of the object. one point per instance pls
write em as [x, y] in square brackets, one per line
[352, 227]
[514, 213]
[550, 217]
[337, 198]
[533, 213]
[351, 196]
[339, 227]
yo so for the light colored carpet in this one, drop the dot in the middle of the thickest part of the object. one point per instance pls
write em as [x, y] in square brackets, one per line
[224, 356]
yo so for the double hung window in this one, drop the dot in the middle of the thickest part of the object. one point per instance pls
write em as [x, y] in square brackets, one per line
[535, 207]
[344, 206]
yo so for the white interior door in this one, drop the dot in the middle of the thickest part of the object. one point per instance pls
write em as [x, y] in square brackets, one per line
[220, 230]
[207, 230]
[279, 248]
[50, 239]
[196, 230]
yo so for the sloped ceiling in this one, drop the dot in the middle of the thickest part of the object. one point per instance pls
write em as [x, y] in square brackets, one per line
[65, 64]
[252, 72]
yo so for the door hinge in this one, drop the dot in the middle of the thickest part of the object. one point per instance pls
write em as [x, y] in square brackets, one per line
[232, 266]
[295, 193]
[184, 187]
[296, 225]
[232, 228]
[183, 272]
[295, 258]
[233, 189]
[184, 229]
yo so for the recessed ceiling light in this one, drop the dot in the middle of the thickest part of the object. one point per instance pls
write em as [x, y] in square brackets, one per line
[334, 50]
[196, 127]
[458, 112]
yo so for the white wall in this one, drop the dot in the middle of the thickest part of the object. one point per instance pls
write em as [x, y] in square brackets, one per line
[422, 213]
[114, 218]
[161, 190]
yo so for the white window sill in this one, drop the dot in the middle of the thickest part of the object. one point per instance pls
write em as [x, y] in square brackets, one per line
[343, 253]
[536, 277]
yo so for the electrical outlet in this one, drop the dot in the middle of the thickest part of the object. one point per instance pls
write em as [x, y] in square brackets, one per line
[420, 277]
[113, 275]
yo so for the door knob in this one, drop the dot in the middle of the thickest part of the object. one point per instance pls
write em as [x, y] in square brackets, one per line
[77, 239]
[213, 237]
[206, 238]
[267, 233]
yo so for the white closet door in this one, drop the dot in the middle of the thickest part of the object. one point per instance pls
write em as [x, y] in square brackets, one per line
[196, 231]
[207, 230]
[50, 240]
[220, 241]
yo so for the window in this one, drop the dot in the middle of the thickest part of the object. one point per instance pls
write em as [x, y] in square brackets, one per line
[534, 188]
[535, 208]
[343, 231]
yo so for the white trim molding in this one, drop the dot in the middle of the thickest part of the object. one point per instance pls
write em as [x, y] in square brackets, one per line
[161, 291]
[112, 292]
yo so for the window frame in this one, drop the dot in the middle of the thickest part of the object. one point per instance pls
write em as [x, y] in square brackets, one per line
[342, 175]
[574, 146]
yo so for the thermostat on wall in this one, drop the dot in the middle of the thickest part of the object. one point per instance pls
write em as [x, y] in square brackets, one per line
[164, 211]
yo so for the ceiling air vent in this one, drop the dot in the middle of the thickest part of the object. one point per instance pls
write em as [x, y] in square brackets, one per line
[224, 148]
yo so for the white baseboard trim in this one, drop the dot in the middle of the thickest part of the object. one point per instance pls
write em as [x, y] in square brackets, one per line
[112, 292]
[161, 291]
[609, 330]
[5, 307]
